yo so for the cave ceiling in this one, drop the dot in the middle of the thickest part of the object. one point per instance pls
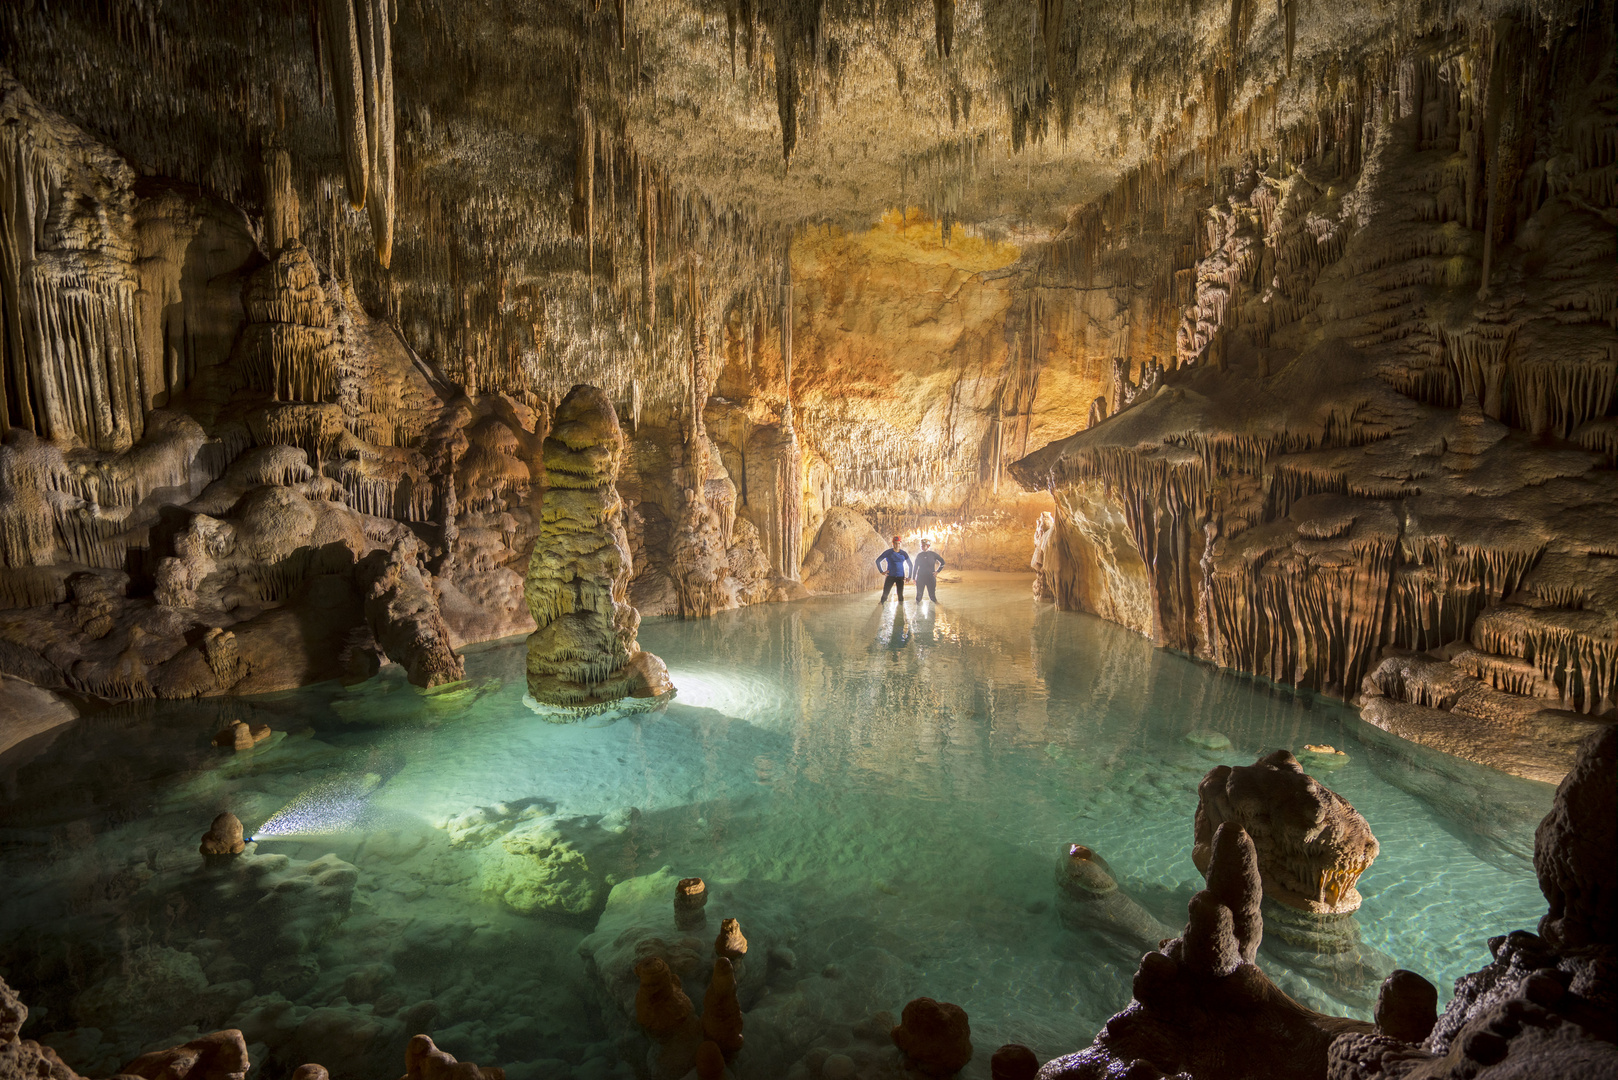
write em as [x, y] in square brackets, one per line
[751, 118]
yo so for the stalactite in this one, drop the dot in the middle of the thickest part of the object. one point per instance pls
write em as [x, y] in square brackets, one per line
[944, 27]
[358, 35]
[281, 209]
[584, 180]
[786, 91]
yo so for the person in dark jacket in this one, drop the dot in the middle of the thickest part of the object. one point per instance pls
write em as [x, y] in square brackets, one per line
[894, 562]
[925, 575]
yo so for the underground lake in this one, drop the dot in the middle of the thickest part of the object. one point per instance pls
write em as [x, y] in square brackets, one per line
[882, 795]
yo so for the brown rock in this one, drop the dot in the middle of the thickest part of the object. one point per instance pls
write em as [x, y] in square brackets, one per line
[1013, 1061]
[721, 1012]
[1312, 845]
[224, 837]
[730, 944]
[710, 1062]
[219, 1056]
[311, 1072]
[1200, 1009]
[13, 1013]
[690, 898]
[425, 1061]
[661, 1005]
[935, 1035]
[239, 736]
[1406, 1007]
[1573, 849]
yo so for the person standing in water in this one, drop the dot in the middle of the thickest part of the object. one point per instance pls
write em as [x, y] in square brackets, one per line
[894, 562]
[927, 565]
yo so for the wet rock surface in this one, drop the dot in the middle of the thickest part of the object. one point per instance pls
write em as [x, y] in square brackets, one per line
[584, 652]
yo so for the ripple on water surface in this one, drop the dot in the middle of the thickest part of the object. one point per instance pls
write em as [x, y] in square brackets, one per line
[879, 792]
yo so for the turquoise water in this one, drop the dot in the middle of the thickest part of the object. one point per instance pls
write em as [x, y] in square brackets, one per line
[879, 795]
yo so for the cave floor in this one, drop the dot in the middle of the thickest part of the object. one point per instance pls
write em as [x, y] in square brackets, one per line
[879, 794]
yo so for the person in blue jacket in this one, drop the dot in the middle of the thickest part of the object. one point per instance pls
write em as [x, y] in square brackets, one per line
[894, 562]
[928, 564]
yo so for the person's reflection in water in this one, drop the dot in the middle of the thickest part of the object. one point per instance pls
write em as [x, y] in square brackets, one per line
[894, 632]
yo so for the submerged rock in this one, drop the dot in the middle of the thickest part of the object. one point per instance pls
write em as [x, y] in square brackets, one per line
[1013, 1061]
[223, 838]
[239, 736]
[935, 1035]
[1088, 900]
[730, 944]
[690, 898]
[721, 1012]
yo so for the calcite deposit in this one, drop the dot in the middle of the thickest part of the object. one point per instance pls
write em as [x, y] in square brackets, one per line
[1312, 845]
[584, 651]
[344, 335]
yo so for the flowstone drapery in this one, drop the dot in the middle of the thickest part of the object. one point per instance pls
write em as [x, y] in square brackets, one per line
[584, 654]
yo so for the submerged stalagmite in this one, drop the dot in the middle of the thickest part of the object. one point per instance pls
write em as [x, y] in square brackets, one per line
[584, 653]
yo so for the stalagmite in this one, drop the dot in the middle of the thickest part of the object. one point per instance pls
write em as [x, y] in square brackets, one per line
[584, 654]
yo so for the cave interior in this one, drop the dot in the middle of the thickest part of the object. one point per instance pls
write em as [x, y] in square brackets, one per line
[448, 446]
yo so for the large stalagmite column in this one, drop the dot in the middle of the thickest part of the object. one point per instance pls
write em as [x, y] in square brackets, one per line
[584, 654]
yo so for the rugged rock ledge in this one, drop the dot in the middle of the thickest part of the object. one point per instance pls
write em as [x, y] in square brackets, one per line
[1543, 1007]
[1358, 453]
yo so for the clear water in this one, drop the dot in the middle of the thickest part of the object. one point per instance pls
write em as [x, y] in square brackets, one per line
[879, 796]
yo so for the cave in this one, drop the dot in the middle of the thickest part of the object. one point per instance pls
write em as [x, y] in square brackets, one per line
[454, 456]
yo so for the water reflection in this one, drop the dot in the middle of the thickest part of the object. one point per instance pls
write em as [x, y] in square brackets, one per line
[884, 786]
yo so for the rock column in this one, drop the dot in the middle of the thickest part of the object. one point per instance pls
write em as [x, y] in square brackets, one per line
[584, 654]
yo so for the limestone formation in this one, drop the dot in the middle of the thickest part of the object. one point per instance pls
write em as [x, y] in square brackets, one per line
[1089, 901]
[843, 557]
[730, 944]
[690, 898]
[1312, 845]
[403, 613]
[224, 837]
[1542, 1006]
[1573, 847]
[1201, 1006]
[662, 1008]
[935, 1036]
[1406, 1007]
[241, 736]
[584, 652]
[425, 1061]
[721, 1013]
[221, 1055]
[1013, 1061]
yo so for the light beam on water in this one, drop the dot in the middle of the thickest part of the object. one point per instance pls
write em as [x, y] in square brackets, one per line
[336, 806]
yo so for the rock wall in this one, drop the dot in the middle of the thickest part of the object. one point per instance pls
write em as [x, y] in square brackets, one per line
[1380, 433]
[220, 473]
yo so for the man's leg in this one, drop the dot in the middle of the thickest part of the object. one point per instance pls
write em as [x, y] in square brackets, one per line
[900, 582]
[930, 584]
[887, 587]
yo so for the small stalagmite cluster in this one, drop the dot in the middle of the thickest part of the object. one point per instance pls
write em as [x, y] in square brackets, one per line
[583, 653]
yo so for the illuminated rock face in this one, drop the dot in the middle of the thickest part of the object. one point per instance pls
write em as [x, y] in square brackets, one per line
[1378, 463]
[1312, 845]
[584, 652]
